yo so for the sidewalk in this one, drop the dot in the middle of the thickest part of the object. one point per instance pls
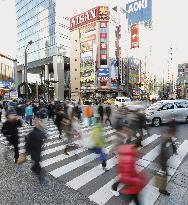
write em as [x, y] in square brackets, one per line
[19, 187]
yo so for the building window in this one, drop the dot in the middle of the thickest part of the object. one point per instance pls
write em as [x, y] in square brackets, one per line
[75, 69]
[75, 59]
[75, 78]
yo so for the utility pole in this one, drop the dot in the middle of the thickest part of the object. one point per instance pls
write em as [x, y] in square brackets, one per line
[25, 70]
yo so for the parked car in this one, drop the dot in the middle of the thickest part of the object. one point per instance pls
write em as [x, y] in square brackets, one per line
[166, 110]
[122, 101]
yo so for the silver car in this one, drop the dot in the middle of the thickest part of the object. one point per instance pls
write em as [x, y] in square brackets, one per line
[166, 110]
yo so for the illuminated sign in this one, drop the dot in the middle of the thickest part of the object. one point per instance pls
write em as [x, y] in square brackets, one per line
[97, 13]
[135, 36]
[103, 74]
[103, 25]
[86, 46]
[103, 46]
[103, 35]
[103, 56]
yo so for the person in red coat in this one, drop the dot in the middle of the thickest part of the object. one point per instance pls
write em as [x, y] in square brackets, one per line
[127, 174]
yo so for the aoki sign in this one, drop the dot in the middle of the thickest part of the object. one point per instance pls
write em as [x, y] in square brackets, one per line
[138, 11]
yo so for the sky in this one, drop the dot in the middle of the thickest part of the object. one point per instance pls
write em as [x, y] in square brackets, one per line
[169, 30]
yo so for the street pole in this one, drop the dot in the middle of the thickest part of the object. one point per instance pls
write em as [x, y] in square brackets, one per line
[25, 70]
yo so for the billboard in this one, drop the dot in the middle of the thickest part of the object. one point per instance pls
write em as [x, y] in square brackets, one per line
[135, 36]
[103, 74]
[100, 13]
[138, 11]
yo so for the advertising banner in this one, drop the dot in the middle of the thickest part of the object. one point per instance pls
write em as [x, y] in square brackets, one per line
[114, 74]
[100, 13]
[139, 11]
[103, 46]
[135, 36]
[86, 46]
[103, 74]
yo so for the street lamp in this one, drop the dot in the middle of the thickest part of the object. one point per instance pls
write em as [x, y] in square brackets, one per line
[25, 70]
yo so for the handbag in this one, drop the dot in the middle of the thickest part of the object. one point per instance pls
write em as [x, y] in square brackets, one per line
[22, 158]
[161, 180]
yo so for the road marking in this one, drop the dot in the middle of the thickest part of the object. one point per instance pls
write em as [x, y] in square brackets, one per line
[75, 164]
[151, 193]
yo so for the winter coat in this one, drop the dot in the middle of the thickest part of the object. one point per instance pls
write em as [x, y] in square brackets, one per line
[51, 109]
[10, 130]
[34, 142]
[101, 110]
[88, 111]
[134, 182]
[108, 111]
[97, 136]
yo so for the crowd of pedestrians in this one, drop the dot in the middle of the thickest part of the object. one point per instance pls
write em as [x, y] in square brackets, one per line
[130, 125]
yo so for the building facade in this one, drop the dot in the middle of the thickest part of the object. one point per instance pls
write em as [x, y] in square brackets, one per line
[96, 60]
[7, 74]
[43, 23]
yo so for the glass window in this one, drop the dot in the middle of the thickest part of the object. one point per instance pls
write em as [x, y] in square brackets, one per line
[168, 106]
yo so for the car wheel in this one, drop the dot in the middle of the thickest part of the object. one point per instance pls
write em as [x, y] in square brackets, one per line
[156, 122]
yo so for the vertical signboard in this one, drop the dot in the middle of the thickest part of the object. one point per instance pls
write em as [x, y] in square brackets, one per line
[135, 36]
[139, 11]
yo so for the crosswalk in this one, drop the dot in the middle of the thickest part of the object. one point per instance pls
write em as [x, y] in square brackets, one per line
[82, 172]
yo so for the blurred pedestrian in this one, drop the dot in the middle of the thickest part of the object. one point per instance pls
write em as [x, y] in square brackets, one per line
[58, 121]
[164, 156]
[34, 142]
[108, 111]
[29, 114]
[88, 113]
[1, 111]
[51, 111]
[101, 112]
[127, 175]
[10, 131]
[97, 136]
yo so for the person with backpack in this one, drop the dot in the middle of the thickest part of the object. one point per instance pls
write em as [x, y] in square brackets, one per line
[99, 142]
[10, 131]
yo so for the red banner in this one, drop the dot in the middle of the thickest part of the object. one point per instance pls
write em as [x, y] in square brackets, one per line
[103, 46]
[103, 56]
[135, 36]
[103, 35]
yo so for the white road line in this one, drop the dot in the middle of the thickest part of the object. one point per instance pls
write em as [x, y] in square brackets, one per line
[86, 177]
[73, 165]
[61, 157]
[151, 193]
[149, 140]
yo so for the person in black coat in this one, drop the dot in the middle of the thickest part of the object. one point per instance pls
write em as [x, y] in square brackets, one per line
[108, 114]
[101, 112]
[58, 121]
[34, 142]
[10, 131]
[51, 111]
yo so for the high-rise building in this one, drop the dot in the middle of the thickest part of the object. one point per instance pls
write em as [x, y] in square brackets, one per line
[43, 23]
[96, 61]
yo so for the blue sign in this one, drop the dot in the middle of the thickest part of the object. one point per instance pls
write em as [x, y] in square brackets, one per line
[5, 84]
[103, 74]
[138, 11]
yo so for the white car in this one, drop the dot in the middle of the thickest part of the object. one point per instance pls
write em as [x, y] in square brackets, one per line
[122, 101]
[166, 110]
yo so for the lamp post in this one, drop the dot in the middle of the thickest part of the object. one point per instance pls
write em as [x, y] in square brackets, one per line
[25, 70]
